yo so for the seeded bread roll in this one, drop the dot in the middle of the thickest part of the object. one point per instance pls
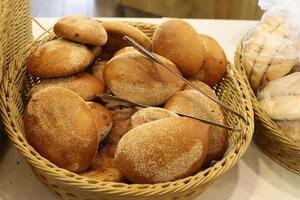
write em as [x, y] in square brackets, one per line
[103, 167]
[178, 41]
[193, 103]
[116, 31]
[214, 63]
[61, 127]
[58, 58]
[103, 118]
[81, 29]
[162, 150]
[135, 77]
[97, 69]
[85, 85]
[146, 115]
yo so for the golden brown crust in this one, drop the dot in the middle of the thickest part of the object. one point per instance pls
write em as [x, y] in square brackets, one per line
[162, 150]
[125, 50]
[103, 167]
[61, 127]
[103, 118]
[214, 63]
[84, 84]
[179, 42]
[135, 77]
[81, 29]
[59, 58]
[116, 31]
[193, 103]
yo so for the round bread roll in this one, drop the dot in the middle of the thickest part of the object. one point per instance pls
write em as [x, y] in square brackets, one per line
[116, 31]
[135, 77]
[214, 63]
[61, 127]
[179, 42]
[97, 69]
[150, 114]
[125, 50]
[121, 124]
[59, 58]
[103, 167]
[163, 150]
[85, 85]
[193, 103]
[103, 118]
[81, 29]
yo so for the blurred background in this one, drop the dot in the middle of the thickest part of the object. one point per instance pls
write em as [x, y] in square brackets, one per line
[208, 9]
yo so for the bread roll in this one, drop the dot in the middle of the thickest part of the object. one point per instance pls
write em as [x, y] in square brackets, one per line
[179, 42]
[121, 124]
[116, 31]
[150, 114]
[103, 167]
[199, 84]
[163, 150]
[103, 118]
[96, 51]
[58, 58]
[125, 50]
[61, 127]
[292, 128]
[193, 103]
[214, 64]
[85, 85]
[81, 29]
[97, 69]
[135, 77]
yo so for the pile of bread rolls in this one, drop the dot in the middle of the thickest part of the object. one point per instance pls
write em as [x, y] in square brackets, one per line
[66, 123]
[271, 59]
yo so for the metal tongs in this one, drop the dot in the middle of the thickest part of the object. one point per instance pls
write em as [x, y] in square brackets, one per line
[150, 55]
[106, 97]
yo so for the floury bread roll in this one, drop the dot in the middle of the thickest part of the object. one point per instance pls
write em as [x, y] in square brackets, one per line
[85, 85]
[58, 58]
[61, 127]
[103, 118]
[214, 63]
[116, 31]
[178, 41]
[193, 103]
[150, 114]
[81, 29]
[137, 78]
[269, 52]
[162, 150]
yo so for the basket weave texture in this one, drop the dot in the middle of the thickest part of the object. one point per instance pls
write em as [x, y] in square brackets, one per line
[270, 138]
[232, 90]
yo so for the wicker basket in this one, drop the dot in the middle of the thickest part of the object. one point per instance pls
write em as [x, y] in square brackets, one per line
[232, 90]
[269, 137]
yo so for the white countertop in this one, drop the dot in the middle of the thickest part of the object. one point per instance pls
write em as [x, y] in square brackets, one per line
[255, 177]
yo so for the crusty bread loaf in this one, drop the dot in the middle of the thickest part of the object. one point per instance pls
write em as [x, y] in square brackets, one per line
[135, 77]
[116, 31]
[81, 29]
[97, 69]
[179, 42]
[61, 127]
[59, 58]
[150, 114]
[85, 85]
[214, 64]
[193, 103]
[103, 167]
[162, 150]
[103, 118]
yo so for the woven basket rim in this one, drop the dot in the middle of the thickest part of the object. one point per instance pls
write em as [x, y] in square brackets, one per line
[258, 110]
[112, 187]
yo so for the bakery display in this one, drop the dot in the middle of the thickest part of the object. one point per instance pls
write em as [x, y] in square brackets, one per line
[176, 148]
[81, 29]
[84, 84]
[172, 39]
[117, 141]
[56, 121]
